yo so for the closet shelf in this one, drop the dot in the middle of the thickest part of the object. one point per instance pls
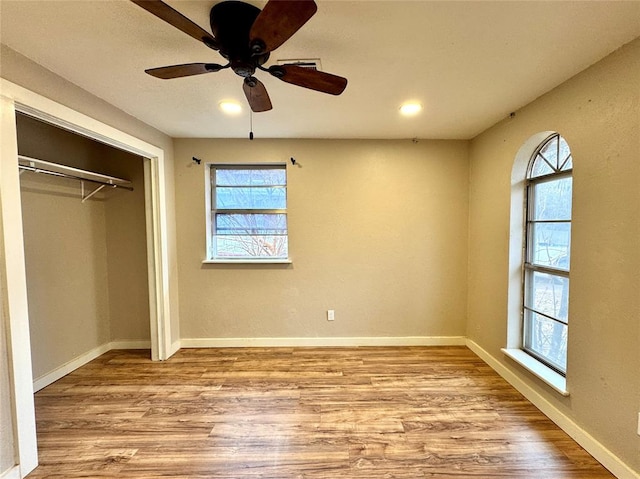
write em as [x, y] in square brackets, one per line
[35, 165]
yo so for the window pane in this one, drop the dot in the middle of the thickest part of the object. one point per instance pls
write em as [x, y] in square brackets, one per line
[550, 152]
[548, 339]
[251, 198]
[246, 177]
[251, 224]
[552, 199]
[557, 154]
[242, 224]
[565, 153]
[244, 246]
[548, 294]
[548, 244]
[551, 244]
[540, 167]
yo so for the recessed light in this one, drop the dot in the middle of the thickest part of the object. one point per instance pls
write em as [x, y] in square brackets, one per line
[410, 108]
[230, 107]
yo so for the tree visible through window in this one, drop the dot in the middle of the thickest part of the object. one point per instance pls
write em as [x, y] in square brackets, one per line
[249, 212]
[547, 253]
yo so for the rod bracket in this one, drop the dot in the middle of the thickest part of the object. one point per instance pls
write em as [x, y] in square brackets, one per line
[85, 197]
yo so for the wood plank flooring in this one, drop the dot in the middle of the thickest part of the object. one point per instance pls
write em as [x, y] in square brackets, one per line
[296, 413]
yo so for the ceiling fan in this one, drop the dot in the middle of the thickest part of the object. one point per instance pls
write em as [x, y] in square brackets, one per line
[245, 36]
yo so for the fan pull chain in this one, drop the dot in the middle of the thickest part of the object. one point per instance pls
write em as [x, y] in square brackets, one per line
[250, 114]
[250, 124]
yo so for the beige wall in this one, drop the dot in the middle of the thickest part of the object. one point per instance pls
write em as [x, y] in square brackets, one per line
[86, 262]
[598, 113]
[127, 251]
[66, 264]
[377, 230]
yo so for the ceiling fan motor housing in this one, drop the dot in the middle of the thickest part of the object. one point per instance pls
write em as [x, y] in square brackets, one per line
[231, 23]
[245, 35]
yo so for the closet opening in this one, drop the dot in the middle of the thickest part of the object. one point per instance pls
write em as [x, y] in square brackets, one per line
[15, 337]
[85, 242]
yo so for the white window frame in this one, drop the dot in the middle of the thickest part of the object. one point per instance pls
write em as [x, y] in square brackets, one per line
[559, 172]
[211, 211]
[514, 341]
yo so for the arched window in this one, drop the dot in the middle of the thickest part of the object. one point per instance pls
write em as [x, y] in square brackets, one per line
[547, 253]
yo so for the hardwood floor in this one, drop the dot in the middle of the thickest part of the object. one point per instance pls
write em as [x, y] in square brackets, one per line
[298, 413]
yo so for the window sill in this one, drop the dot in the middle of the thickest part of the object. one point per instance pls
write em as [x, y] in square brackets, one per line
[546, 374]
[248, 261]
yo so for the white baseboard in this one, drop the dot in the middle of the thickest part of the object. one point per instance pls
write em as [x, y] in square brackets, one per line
[175, 347]
[323, 342]
[608, 459]
[70, 366]
[13, 473]
[129, 345]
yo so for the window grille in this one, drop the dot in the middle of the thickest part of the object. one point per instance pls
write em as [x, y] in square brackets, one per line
[548, 253]
[248, 212]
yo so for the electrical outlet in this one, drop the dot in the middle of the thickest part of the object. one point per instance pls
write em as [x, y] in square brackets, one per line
[331, 315]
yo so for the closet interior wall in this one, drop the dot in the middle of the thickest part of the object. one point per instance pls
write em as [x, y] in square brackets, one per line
[86, 263]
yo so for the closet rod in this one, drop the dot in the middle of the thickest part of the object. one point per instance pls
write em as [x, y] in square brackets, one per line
[54, 169]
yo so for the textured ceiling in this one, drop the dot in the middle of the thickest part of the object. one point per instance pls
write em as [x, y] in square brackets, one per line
[468, 63]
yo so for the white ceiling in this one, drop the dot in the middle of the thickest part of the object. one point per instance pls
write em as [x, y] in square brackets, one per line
[470, 63]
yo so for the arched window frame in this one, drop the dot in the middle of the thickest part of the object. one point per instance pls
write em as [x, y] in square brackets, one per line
[546, 270]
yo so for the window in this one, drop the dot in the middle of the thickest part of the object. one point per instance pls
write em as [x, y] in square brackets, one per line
[547, 254]
[248, 212]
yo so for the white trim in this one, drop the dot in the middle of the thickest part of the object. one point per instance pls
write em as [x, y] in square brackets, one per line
[129, 345]
[326, 341]
[70, 366]
[207, 209]
[158, 258]
[211, 257]
[13, 473]
[247, 261]
[603, 455]
[175, 347]
[15, 311]
[539, 370]
[155, 306]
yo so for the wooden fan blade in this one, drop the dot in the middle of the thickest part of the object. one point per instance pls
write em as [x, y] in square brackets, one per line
[278, 21]
[178, 20]
[257, 95]
[309, 78]
[188, 69]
